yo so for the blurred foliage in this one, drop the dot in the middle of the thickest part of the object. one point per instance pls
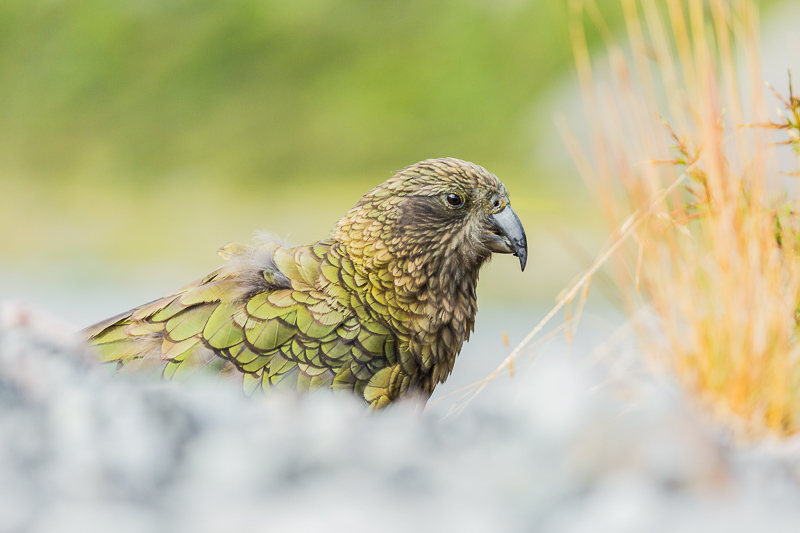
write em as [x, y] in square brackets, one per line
[136, 131]
[259, 92]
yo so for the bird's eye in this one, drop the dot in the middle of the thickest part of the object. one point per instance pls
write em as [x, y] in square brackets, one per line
[454, 200]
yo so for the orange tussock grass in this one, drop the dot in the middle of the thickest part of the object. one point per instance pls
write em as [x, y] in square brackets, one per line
[717, 261]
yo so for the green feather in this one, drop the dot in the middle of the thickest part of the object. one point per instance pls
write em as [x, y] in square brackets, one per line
[113, 333]
[189, 322]
[272, 333]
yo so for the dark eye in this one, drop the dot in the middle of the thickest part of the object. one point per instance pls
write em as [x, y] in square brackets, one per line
[454, 200]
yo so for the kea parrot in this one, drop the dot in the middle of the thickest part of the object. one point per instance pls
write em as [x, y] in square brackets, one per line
[381, 308]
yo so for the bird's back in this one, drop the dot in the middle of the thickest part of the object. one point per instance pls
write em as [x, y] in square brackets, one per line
[273, 316]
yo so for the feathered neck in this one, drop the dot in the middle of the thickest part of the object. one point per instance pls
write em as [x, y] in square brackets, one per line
[425, 289]
[427, 270]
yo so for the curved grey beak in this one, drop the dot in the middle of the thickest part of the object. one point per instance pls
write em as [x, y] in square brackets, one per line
[509, 235]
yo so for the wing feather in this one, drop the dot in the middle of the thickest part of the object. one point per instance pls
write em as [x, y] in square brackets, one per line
[301, 333]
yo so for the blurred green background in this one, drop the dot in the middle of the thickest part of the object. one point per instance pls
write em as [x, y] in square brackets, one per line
[136, 137]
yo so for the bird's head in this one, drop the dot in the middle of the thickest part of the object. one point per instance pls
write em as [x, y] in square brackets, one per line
[436, 214]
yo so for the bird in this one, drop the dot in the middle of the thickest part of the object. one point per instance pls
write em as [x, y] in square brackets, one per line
[380, 308]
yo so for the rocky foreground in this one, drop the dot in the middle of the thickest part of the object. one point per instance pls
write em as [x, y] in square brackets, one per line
[84, 451]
